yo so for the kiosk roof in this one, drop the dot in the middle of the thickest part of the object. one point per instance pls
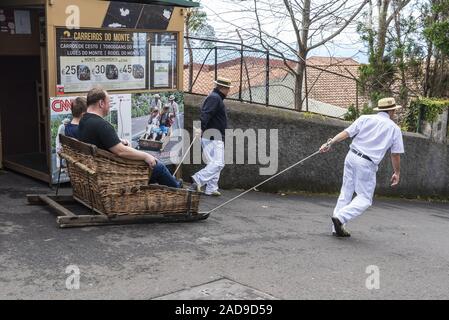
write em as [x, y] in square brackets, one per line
[177, 3]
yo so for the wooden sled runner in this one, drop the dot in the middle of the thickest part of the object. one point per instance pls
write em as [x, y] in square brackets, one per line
[116, 191]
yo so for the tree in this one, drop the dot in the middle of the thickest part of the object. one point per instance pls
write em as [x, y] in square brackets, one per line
[313, 24]
[436, 31]
[408, 55]
[196, 25]
[379, 75]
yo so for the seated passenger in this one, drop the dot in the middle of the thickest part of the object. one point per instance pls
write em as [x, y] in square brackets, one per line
[79, 108]
[95, 130]
[164, 119]
[153, 123]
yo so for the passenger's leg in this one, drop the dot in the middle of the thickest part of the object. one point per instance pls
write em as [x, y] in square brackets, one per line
[162, 176]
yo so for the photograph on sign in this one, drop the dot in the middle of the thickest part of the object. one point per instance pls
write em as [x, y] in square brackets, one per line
[61, 116]
[155, 120]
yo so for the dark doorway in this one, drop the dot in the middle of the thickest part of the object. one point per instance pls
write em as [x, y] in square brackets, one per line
[23, 117]
[19, 83]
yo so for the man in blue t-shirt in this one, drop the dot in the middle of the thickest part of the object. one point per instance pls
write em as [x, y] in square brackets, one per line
[95, 130]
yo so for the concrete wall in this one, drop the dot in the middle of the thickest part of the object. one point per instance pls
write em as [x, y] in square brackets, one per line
[425, 170]
[437, 131]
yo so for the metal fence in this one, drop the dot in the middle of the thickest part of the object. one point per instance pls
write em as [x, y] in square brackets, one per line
[261, 77]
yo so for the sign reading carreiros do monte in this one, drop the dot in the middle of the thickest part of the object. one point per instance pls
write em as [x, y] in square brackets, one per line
[115, 60]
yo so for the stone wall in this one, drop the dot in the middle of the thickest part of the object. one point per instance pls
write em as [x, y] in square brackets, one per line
[425, 170]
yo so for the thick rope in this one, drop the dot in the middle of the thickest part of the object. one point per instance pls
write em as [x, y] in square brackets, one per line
[270, 178]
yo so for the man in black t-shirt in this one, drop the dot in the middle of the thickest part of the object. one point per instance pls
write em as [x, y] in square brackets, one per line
[95, 130]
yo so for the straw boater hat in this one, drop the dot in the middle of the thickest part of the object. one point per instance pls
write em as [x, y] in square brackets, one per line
[223, 82]
[172, 97]
[157, 95]
[387, 104]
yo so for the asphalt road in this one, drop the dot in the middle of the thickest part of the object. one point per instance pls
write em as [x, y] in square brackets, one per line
[139, 126]
[277, 244]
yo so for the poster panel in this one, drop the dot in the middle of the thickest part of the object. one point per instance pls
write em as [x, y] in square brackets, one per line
[115, 60]
[150, 121]
[163, 61]
[7, 23]
[61, 114]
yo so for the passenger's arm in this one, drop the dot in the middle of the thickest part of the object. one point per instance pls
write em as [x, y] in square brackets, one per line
[132, 154]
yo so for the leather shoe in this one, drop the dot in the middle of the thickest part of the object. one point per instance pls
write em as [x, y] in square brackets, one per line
[340, 230]
[214, 194]
[195, 187]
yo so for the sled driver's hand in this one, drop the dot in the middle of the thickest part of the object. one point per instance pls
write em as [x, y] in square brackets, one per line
[395, 179]
[326, 147]
[197, 132]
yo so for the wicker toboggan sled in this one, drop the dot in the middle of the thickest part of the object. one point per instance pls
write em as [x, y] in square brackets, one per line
[116, 190]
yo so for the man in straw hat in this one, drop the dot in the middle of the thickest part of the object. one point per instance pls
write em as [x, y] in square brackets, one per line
[156, 102]
[213, 118]
[174, 108]
[373, 136]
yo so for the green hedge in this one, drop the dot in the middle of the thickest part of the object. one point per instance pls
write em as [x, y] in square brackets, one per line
[426, 109]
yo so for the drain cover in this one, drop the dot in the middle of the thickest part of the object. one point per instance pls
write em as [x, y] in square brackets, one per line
[223, 289]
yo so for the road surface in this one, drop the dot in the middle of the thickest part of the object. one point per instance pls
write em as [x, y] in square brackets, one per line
[279, 245]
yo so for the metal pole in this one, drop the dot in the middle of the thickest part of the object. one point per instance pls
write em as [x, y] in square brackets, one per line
[267, 80]
[241, 72]
[216, 67]
[306, 87]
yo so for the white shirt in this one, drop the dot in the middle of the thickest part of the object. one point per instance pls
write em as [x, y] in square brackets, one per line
[374, 135]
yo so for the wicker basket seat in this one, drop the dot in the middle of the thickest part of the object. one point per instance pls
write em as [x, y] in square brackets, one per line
[117, 186]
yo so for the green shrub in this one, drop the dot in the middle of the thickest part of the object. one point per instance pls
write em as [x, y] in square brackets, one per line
[353, 113]
[426, 109]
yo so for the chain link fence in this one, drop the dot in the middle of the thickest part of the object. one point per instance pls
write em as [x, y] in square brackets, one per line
[329, 86]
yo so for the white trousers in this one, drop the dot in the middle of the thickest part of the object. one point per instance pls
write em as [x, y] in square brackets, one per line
[360, 177]
[213, 151]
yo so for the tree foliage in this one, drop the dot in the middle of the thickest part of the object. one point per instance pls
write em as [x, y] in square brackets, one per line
[437, 31]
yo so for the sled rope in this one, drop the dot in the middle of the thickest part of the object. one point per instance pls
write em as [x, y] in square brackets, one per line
[270, 178]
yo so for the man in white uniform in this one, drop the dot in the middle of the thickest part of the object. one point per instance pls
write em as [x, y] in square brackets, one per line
[174, 108]
[213, 117]
[373, 136]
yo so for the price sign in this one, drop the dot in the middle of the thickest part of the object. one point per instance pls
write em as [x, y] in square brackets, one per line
[115, 60]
